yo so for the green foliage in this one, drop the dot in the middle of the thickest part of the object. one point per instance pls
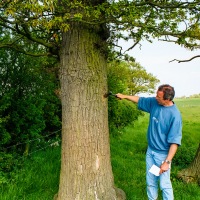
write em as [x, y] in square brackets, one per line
[128, 155]
[38, 178]
[185, 156]
[129, 78]
[28, 105]
[118, 76]
[44, 22]
[5, 136]
[195, 96]
[128, 20]
[8, 163]
[190, 111]
[121, 114]
[140, 81]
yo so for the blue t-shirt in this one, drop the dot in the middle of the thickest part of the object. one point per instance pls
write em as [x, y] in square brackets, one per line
[165, 124]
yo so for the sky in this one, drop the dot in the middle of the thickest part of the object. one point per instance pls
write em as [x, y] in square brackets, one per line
[155, 58]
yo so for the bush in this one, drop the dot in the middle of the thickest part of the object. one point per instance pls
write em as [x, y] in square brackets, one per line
[127, 78]
[184, 156]
[121, 114]
[8, 162]
[29, 107]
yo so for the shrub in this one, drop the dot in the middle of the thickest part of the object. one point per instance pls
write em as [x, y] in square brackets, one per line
[184, 156]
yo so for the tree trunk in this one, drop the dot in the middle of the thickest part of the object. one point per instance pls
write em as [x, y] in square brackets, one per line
[192, 173]
[86, 172]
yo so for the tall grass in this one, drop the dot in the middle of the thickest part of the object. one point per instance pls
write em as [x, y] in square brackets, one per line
[38, 179]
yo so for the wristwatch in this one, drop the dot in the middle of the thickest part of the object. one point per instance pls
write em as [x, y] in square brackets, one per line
[168, 162]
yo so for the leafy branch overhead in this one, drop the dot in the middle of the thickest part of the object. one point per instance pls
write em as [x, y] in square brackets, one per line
[43, 22]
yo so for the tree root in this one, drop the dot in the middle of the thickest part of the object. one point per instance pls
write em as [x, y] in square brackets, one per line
[120, 194]
[186, 176]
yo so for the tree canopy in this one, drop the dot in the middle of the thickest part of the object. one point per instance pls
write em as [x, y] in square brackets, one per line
[43, 22]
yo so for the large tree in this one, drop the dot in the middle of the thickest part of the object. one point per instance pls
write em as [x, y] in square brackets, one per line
[81, 35]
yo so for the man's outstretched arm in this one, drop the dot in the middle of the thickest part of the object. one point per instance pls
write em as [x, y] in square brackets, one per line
[135, 99]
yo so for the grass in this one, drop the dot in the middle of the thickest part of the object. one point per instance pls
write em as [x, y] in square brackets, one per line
[128, 155]
[128, 160]
[38, 179]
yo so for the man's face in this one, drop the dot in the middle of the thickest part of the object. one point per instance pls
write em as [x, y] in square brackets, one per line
[159, 98]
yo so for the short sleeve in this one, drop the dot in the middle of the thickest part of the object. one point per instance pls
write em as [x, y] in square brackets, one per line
[145, 104]
[175, 133]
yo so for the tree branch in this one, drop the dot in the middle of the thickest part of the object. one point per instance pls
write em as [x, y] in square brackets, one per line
[179, 61]
[132, 46]
[169, 5]
[21, 50]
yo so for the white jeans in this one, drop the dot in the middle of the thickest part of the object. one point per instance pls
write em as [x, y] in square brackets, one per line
[156, 158]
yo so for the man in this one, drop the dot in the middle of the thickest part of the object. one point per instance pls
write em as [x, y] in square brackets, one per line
[164, 136]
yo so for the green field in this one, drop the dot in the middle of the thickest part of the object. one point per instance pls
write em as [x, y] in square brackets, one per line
[128, 154]
[38, 177]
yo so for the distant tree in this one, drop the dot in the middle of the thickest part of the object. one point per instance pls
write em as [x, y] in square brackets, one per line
[130, 78]
[82, 35]
[195, 96]
[140, 80]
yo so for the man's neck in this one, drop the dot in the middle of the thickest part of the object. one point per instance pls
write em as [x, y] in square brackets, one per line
[168, 103]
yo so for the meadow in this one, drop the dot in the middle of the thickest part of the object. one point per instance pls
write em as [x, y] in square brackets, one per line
[128, 155]
[38, 176]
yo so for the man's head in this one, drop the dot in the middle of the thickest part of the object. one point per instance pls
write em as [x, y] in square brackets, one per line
[165, 94]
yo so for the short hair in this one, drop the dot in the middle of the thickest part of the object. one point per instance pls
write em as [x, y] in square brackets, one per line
[168, 91]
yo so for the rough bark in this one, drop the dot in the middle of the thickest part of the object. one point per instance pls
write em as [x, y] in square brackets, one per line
[192, 173]
[86, 172]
